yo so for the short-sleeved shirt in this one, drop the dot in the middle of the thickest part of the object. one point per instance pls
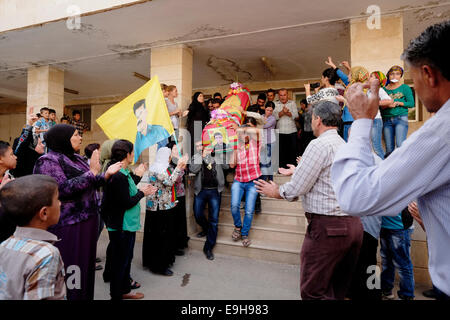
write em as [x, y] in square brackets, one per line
[248, 158]
[171, 107]
[80, 126]
[285, 124]
[31, 266]
[41, 124]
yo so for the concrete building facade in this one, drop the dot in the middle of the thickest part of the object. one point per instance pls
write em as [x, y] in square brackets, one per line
[89, 55]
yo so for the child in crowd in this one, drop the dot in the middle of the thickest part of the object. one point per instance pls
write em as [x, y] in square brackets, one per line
[65, 120]
[8, 162]
[31, 267]
[52, 117]
[43, 124]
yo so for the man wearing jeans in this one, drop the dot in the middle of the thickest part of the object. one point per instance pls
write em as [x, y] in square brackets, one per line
[395, 238]
[209, 182]
[246, 160]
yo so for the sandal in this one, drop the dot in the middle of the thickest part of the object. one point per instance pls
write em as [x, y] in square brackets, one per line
[134, 284]
[236, 235]
[246, 241]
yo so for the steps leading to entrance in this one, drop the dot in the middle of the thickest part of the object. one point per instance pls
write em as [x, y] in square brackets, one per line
[277, 251]
[277, 233]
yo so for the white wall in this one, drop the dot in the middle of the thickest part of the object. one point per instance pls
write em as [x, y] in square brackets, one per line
[15, 14]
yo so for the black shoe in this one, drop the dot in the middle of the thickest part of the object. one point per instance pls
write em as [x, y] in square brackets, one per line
[98, 267]
[402, 297]
[166, 272]
[201, 234]
[98, 260]
[209, 255]
[179, 252]
[258, 210]
[430, 294]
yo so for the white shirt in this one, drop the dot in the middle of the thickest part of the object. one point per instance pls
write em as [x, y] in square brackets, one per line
[286, 124]
[419, 169]
[382, 96]
[171, 108]
[312, 178]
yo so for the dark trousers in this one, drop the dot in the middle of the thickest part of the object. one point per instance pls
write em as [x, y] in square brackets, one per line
[210, 225]
[78, 247]
[305, 138]
[180, 224]
[328, 256]
[359, 290]
[158, 247]
[288, 149]
[121, 255]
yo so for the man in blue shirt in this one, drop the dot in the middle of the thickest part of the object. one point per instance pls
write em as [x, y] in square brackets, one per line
[147, 134]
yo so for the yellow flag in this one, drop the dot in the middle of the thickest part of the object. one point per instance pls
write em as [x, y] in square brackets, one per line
[141, 118]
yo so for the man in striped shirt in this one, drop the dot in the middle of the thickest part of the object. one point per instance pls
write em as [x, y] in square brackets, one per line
[333, 239]
[246, 160]
[31, 267]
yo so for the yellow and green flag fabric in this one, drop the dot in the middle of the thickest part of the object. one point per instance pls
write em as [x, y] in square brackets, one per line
[141, 118]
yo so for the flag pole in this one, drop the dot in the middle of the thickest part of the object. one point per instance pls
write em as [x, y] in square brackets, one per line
[176, 142]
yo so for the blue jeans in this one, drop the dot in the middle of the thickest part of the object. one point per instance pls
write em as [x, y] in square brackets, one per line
[213, 198]
[395, 130]
[346, 127]
[395, 254]
[237, 191]
[266, 161]
[377, 132]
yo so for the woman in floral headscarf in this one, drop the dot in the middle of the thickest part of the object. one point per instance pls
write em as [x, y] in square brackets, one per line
[395, 115]
[385, 100]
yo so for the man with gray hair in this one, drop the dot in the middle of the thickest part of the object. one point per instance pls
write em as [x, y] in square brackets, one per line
[333, 238]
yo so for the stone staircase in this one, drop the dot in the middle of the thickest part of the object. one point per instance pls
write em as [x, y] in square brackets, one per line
[277, 232]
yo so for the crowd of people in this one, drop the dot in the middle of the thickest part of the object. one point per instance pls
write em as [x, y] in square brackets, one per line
[355, 193]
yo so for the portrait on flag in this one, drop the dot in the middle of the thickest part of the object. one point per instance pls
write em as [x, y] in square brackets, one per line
[141, 118]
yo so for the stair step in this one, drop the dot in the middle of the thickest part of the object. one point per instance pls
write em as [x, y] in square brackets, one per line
[277, 178]
[266, 233]
[277, 251]
[270, 204]
[268, 218]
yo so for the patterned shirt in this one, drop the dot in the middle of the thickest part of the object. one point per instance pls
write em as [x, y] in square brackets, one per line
[325, 94]
[80, 126]
[164, 198]
[312, 177]
[248, 158]
[286, 124]
[31, 267]
[41, 124]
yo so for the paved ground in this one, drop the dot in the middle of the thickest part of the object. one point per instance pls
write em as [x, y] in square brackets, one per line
[225, 278]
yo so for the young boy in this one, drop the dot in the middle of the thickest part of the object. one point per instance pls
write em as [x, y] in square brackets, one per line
[31, 268]
[8, 162]
[52, 117]
[43, 124]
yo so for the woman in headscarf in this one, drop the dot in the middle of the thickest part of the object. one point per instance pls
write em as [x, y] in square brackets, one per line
[395, 115]
[197, 112]
[158, 249]
[385, 100]
[78, 224]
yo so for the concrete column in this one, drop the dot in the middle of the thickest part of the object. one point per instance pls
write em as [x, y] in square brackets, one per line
[45, 88]
[377, 49]
[173, 66]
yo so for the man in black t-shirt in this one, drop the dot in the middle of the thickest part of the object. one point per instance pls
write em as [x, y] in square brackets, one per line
[260, 104]
[208, 166]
